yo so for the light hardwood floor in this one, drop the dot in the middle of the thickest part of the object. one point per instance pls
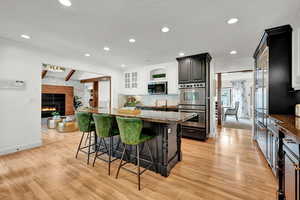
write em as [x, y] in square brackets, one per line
[228, 167]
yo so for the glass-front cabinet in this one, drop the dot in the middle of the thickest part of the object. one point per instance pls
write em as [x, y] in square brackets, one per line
[261, 86]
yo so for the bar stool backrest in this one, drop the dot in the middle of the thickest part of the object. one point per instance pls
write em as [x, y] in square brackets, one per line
[84, 121]
[130, 130]
[103, 124]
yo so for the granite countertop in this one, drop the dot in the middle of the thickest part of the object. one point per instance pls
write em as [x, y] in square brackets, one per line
[289, 124]
[149, 115]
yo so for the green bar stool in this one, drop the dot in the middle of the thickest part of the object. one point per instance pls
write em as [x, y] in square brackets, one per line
[86, 126]
[105, 129]
[133, 134]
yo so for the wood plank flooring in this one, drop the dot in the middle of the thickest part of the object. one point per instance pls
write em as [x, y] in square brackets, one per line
[228, 167]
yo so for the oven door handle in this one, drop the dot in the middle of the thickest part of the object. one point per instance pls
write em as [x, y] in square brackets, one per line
[192, 111]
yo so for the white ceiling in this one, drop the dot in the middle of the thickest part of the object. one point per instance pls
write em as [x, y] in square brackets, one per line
[196, 26]
[78, 75]
[237, 76]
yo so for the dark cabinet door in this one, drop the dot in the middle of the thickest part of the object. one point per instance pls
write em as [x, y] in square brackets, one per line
[184, 70]
[197, 70]
[291, 176]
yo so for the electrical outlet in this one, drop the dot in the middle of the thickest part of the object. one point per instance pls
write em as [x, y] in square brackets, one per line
[18, 147]
[169, 130]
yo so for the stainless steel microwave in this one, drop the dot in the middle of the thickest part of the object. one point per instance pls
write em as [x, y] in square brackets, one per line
[158, 88]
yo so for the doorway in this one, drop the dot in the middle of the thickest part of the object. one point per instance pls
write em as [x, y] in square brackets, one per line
[235, 99]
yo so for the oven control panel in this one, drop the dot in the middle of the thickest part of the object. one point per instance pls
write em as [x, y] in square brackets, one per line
[192, 85]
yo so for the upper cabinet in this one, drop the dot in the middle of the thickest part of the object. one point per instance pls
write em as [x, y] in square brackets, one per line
[198, 69]
[193, 69]
[296, 59]
[184, 70]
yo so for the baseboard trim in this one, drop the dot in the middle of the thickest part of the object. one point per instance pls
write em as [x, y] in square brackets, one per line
[17, 148]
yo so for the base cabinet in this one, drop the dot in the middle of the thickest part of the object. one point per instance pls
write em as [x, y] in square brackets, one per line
[261, 137]
[291, 175]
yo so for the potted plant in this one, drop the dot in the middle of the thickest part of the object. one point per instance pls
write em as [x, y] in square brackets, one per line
[77, 102]
[131, 102]
[55, 115]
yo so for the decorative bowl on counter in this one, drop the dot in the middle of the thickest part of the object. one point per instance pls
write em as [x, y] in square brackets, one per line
[130, 111]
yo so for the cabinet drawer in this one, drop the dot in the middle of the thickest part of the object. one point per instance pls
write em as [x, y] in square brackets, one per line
[196, 133]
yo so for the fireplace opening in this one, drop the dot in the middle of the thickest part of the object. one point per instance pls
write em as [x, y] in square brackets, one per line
[53, 103]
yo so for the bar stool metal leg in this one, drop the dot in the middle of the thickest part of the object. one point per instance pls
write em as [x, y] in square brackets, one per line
[109, 154]
[138, 163]
[79, 144]
[120, 165]
[97, 150]
[89, 151]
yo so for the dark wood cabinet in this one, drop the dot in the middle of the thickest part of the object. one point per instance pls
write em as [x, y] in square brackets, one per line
[197, 70]
[184, 70]
[192, 69]
[273, 95]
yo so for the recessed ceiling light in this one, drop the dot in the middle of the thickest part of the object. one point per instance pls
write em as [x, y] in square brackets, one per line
[165, 29]
[233, 52]
[123, 65]
[232, 21]
[25, 36]
[106, 48]
[66, 3]
[87, 55]
[132, 40]
[181, 54]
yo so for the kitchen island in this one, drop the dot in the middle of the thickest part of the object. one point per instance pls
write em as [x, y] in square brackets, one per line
[165, 147]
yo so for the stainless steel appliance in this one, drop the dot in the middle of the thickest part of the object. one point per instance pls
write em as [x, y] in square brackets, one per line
[157, 88]
[200, 110]
[193, 100]
[192, 94]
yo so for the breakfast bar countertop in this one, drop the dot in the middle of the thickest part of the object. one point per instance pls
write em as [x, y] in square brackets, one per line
[148, 115]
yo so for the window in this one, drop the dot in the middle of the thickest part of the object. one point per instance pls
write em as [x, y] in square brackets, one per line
[226, 97]
[134, 79]
[131, 80]
[127, 80]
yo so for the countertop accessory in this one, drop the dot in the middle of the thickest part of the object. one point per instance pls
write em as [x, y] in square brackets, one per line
[129, 111]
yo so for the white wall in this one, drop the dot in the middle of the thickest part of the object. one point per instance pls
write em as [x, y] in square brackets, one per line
[234, 64]
[144, 78]
[20, 120]
[212, 99]
[104, 94]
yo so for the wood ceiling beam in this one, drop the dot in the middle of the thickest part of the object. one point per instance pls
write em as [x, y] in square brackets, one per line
[70, 75]
[90, 80]
[44, 72]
